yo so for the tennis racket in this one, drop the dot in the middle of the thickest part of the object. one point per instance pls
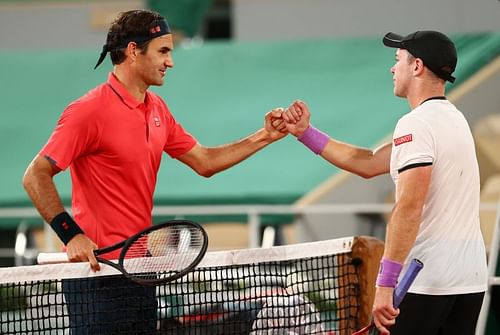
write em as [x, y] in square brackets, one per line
[154, 256]
[400, 290]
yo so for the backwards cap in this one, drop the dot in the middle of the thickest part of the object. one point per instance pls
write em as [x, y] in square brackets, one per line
[434, 48]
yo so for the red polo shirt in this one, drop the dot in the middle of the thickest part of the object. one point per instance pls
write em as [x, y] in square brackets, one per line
[113, 145]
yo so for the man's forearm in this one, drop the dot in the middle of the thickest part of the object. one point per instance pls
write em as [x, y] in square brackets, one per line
[43, 193]
[363, 162]
[225, 156]
[401, 233]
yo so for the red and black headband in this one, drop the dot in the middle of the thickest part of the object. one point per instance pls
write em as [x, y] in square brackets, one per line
[160, 29]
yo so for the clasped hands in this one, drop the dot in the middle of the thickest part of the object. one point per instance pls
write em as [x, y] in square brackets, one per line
[293, 120]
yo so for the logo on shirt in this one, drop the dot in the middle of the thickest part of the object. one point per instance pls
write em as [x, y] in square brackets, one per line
[403, 139]
[157, 121]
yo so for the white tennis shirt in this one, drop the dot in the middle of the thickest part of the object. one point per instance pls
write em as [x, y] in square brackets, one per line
[449, 241]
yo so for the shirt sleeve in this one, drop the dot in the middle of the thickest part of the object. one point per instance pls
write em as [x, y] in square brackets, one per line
[76, 134]
[179, 141]
[413, 143]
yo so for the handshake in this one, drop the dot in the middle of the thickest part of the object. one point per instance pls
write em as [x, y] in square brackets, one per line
[295, 120]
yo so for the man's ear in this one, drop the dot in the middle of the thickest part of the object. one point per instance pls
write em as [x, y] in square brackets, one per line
[419, 66]
[131, 50]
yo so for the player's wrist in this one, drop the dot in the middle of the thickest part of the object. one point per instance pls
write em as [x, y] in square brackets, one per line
[314, 139]
[388, 273]
[65, 227]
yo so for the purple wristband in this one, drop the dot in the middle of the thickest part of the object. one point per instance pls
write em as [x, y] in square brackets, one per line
[314, 139]
[388, 273]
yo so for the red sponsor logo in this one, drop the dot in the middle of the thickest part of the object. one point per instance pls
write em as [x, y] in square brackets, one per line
[403, 139]
[157, 121]
[156, 29]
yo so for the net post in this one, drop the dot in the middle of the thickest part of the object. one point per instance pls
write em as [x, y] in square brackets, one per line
[368, 250]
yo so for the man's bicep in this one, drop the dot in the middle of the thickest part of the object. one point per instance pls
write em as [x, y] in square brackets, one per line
[413, 184]
[194, 157]
[42, 165]
[48, 163]
[382, 156]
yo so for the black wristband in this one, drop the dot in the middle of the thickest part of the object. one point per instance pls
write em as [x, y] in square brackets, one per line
[65, 227]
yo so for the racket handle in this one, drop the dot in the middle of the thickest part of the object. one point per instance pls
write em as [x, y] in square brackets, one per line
[52, 258]
[406, 281]
[399, 293]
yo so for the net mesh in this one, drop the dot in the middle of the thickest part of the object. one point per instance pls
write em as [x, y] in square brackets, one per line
[309, 288]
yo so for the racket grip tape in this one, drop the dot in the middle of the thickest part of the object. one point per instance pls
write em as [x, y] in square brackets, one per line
[52, 258]
[406, 281]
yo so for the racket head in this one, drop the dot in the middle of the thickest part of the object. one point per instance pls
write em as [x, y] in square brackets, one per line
[163, 252]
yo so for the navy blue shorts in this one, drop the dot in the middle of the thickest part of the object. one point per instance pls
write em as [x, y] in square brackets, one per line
[110, 305]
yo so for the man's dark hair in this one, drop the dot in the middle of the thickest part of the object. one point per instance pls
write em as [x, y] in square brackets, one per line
[126, 26]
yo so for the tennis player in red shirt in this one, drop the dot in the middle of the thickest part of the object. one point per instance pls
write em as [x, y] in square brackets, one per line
[113, 139]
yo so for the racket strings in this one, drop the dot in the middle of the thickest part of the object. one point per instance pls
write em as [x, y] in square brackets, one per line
[166, 250]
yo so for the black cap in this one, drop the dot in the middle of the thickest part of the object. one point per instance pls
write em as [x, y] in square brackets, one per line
[434, 48]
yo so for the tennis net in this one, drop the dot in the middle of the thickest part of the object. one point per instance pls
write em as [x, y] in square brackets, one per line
[309, 288]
